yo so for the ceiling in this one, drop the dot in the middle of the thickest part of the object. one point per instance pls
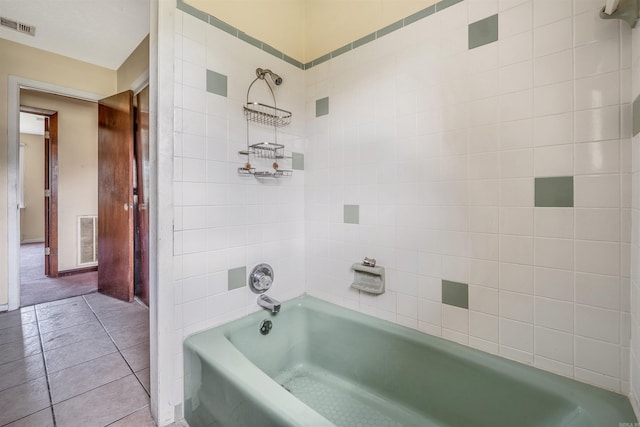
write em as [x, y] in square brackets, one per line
[31, 123]
[101, 32]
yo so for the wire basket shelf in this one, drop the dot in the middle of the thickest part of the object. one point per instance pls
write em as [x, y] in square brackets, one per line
[266, 114]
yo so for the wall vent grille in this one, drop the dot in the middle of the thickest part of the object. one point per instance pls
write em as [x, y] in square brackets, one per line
[17, 26]
[87, 240]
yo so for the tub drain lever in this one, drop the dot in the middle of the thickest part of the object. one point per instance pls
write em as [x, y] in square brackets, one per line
[265, 326]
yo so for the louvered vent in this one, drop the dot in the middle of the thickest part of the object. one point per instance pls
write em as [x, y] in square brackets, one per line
[18, 26]
[87, 240]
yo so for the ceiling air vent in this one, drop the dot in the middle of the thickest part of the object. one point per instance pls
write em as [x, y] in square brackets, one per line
[18, 26]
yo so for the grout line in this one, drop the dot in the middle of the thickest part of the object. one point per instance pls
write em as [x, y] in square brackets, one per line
[46, 370]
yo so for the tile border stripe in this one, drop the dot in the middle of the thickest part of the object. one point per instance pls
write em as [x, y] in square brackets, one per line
[212, 20]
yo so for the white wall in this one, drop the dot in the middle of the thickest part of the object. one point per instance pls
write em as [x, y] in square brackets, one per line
[439, 146]
[223, 220]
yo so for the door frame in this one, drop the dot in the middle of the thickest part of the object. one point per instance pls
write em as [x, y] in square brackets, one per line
[13, 126]
[50, 183]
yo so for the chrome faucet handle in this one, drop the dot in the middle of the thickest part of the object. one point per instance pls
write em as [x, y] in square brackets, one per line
[261, 278]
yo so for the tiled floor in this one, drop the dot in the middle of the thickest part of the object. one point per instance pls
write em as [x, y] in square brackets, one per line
[81, 361]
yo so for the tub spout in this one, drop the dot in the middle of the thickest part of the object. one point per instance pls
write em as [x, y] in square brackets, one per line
[270, 304]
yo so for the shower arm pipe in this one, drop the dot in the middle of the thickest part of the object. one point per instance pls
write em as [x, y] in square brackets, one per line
[625, 10]
[275, 106]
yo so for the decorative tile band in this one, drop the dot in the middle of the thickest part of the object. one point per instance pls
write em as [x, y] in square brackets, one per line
[456, 294]
[212, 20]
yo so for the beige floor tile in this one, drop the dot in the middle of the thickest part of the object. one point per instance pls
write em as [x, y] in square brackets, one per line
[22, 400]
[145, 378]
[18, 333]
[137, 356]
[75, 306]
[21, 371]
[42, 418]
[19, 350]
[59, 302]
[140, 418]
[74, 354]
[65, 320]
[73, 334]
[16, 318]
[128, 337]
[104, 405]
[81, 378]
[115, 321]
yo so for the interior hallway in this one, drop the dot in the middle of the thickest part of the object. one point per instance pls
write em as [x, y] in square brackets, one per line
[36, 288]
[80, 361]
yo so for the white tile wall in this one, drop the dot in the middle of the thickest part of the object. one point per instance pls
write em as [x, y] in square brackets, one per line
[439, 147]
[223, 220]
[469, 132]
[630, 302]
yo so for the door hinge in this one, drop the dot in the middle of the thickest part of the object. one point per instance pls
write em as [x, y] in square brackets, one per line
[47, 193]
[47, 251]
[47, 134]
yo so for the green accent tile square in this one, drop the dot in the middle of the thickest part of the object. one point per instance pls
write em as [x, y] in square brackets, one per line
[297, 161]
[251, 40]
[420, 14]
[216, 83]
[445, 4]
[236, 278]
[456, 294]
[554, 192]
[364, 40]
[636, 116]
[389, 29]
[322, 107]
[186, 8]
[352, 214]
[221, 25]
[483, 32]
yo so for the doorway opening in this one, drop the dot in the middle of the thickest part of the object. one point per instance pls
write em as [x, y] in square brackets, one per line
[58, 163]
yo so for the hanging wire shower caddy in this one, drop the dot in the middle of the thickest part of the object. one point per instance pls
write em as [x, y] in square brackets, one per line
[267, 115]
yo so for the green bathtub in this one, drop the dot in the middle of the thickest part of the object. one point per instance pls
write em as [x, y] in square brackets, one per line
[324, 365]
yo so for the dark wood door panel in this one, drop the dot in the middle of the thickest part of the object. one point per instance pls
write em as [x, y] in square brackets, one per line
[115, 196]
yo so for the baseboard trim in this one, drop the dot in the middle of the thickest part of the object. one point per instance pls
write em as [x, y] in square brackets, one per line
[77, 271]
[27, 241]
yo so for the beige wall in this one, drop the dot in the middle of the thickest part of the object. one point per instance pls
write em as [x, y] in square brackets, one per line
[136, 65]
[308, 29]
[77, 166]
[32, 215]
[35, 64]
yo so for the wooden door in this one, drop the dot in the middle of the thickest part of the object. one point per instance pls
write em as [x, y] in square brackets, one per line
[142, 208]
[115, 196]
[51, 195]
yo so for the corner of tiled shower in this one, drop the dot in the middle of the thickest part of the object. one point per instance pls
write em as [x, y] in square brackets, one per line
[442, 149]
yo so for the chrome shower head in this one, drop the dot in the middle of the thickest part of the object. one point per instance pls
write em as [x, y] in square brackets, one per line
[274, 77]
